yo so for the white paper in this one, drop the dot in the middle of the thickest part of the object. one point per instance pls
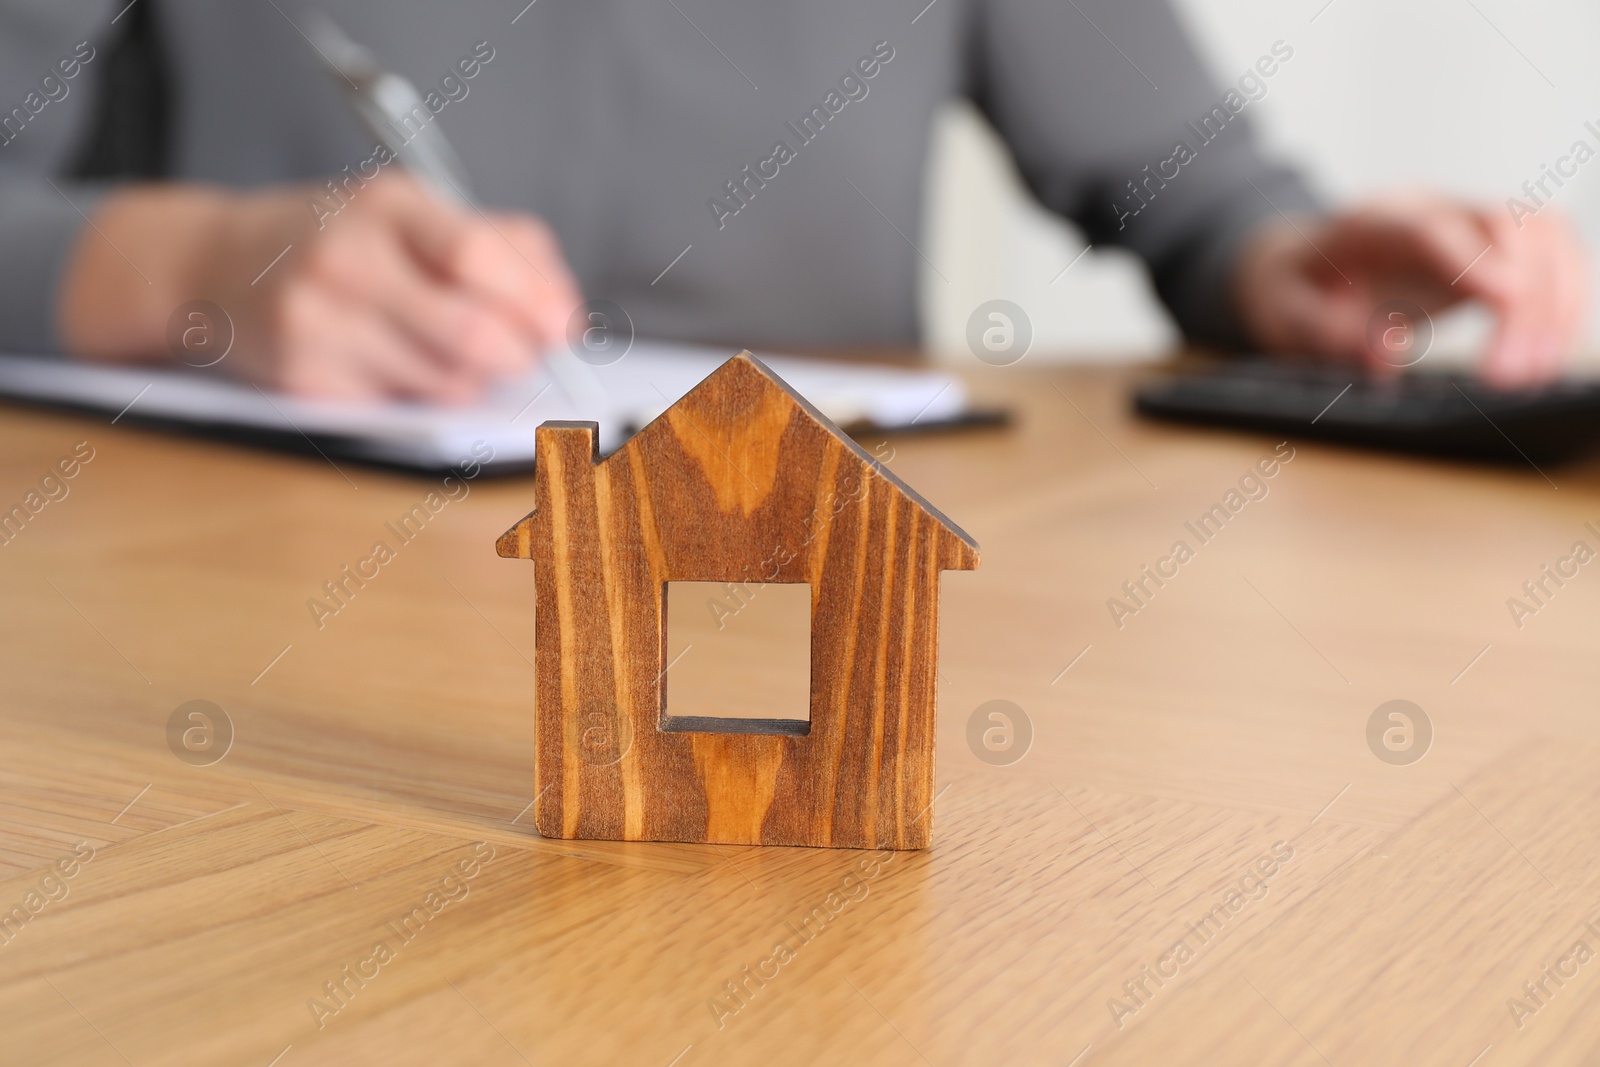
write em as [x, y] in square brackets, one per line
[622, 397]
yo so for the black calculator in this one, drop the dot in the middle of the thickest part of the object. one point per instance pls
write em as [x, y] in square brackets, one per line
[1438, 413]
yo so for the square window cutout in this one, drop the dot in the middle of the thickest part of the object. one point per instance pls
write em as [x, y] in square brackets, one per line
[738, 658]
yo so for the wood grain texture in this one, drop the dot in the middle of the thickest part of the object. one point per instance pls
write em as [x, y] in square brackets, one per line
[373, 754]
[739, 482]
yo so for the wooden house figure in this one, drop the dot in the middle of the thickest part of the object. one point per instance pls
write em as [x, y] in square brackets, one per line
[740, 481]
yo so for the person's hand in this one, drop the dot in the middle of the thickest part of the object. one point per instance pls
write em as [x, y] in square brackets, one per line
[1314, 286]
[397, 295]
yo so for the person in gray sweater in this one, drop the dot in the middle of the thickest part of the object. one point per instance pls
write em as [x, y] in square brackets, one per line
[726, 172]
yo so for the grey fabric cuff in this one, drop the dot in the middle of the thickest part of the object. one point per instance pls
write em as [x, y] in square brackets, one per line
[1195, 281]
[38, 227]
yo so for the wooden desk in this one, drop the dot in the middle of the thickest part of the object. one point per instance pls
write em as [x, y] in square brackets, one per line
[1227, 715]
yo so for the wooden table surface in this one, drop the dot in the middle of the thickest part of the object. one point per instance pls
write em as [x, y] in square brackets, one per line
[1199, 859]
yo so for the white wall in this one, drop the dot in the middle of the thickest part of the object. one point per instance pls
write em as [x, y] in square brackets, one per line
[1380, 95]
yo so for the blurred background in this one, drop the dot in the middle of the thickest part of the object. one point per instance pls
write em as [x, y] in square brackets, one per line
[1468, 96]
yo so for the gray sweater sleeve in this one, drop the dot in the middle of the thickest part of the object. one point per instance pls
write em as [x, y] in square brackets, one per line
[48, 52]
[1114, 124]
